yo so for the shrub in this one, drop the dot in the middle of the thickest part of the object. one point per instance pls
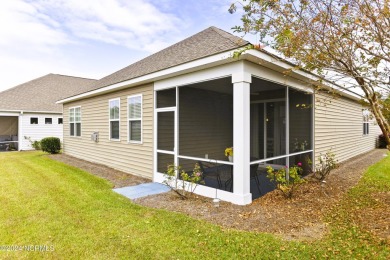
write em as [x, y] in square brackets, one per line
[51, 145]
[382, 141]
[327, 162]
[286, 185]
[34, 144]
[188, 183]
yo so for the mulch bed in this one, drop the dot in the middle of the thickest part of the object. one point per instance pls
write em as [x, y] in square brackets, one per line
[118, 178]
[299, 218]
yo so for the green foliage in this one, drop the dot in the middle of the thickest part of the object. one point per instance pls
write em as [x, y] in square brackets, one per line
[287, 184]
[327, 162]
[34, 144]
[51, 145]
[186, 184]
[342, 41]
[386, 108]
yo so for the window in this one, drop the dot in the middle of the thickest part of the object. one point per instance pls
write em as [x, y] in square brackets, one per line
[366, 123]
[75, 121]
[60, 121]
[134, 104]
[114, 106]
[48, 121]
[33, 120]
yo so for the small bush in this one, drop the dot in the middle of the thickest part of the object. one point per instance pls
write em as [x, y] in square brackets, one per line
[382, 141]
[51, 145]
[327, 162]
[36, 145]
[286, 185]
[188, 183]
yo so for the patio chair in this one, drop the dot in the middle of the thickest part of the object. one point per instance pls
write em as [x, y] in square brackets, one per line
[221, 173]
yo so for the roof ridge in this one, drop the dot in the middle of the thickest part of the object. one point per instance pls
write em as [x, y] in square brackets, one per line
[219, 31]
[70, 76]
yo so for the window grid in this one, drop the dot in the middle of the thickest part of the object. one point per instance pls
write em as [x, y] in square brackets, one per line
[75, 121]
[134, 104]
[114, 111]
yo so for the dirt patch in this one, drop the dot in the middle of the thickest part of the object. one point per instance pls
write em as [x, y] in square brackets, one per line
[117, 178]
[297, 219]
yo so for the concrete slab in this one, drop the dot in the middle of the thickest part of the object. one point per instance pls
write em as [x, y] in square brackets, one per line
[142, 190]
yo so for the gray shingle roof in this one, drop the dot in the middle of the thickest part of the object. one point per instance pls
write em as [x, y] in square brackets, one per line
[42, 93]
[208, 42]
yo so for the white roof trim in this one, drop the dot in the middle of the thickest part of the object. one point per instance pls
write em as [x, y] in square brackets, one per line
[28, 111]
[207, 62]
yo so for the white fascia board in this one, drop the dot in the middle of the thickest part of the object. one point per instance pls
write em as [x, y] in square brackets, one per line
[225, 70]
[199, 64]
[9, 113]
[274, 63]
[42, 112]
[28, 111]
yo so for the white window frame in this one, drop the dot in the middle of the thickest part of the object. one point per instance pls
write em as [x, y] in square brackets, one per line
[36, 118]
[134, 119]
[75, 122]
[114, 120]
[50, 122]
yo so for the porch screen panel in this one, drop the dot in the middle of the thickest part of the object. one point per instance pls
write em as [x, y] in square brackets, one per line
[8, 125]
[301, 121]
[206, 119]
[303, 161]
[166, 98]
[257, 131]
[163, 160]
[215, 175]
[166, 131]
[275, 129]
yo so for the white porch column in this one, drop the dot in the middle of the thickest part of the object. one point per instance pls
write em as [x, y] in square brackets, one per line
[20, 131]
[241, 136]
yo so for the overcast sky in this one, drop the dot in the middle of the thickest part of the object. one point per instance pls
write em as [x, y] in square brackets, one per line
[94, 38]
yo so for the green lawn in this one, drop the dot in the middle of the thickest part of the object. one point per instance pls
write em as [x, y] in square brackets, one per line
[44, 202]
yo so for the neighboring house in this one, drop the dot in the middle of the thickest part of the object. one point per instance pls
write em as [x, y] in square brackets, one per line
[28, 112]
[190, 101]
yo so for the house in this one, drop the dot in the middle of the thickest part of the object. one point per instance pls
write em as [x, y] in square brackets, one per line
[187, 103]
[28, 112]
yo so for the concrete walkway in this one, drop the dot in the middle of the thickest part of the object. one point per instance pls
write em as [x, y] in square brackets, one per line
[142, 190]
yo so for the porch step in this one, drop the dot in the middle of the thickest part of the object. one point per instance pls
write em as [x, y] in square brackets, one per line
[142, 190]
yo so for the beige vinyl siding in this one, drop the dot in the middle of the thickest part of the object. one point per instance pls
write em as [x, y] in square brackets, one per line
[132, 158]
[339, 127]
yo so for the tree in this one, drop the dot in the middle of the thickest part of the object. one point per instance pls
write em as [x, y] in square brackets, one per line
[344, 41]
[386, 108]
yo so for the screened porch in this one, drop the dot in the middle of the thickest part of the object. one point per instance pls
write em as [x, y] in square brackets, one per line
[8, 133]
[195, 124]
